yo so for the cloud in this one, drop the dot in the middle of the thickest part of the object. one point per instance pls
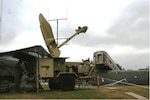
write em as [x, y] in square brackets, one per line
[18, 20]
[113, 27]
[11, 20]
[126, 39]
[133, 61]
[131, 27]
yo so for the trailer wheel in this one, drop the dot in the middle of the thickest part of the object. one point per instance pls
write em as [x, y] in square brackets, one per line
[53, 85]
[67, 83]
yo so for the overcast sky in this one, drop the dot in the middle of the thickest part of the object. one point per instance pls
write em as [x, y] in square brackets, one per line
[119, 27]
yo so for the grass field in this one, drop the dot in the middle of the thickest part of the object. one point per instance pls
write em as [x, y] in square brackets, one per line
[80, 93]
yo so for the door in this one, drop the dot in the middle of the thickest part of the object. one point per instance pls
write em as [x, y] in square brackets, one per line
[46, 67]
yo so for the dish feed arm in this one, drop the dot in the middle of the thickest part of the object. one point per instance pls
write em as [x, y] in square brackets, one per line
[78, 31]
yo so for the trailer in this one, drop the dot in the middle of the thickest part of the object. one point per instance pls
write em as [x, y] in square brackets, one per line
[54, 68]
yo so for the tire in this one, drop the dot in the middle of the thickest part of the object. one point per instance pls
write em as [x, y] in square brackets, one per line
[53, 85]
[67, 83]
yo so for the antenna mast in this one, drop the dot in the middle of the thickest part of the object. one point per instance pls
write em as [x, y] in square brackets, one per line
[57, 20]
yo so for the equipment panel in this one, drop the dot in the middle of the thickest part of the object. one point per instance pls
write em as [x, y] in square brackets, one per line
[46, 67]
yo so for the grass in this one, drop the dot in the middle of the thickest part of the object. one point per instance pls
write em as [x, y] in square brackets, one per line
[138, 90]
[79, 93]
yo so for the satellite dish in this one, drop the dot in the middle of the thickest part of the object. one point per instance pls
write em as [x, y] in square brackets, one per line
[48, 37]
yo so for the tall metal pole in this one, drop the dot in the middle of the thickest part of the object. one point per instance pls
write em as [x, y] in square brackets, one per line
[57, 32]
[37, 73]
[57, 20]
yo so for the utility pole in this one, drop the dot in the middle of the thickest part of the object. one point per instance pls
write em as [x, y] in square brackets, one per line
[57, 20]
